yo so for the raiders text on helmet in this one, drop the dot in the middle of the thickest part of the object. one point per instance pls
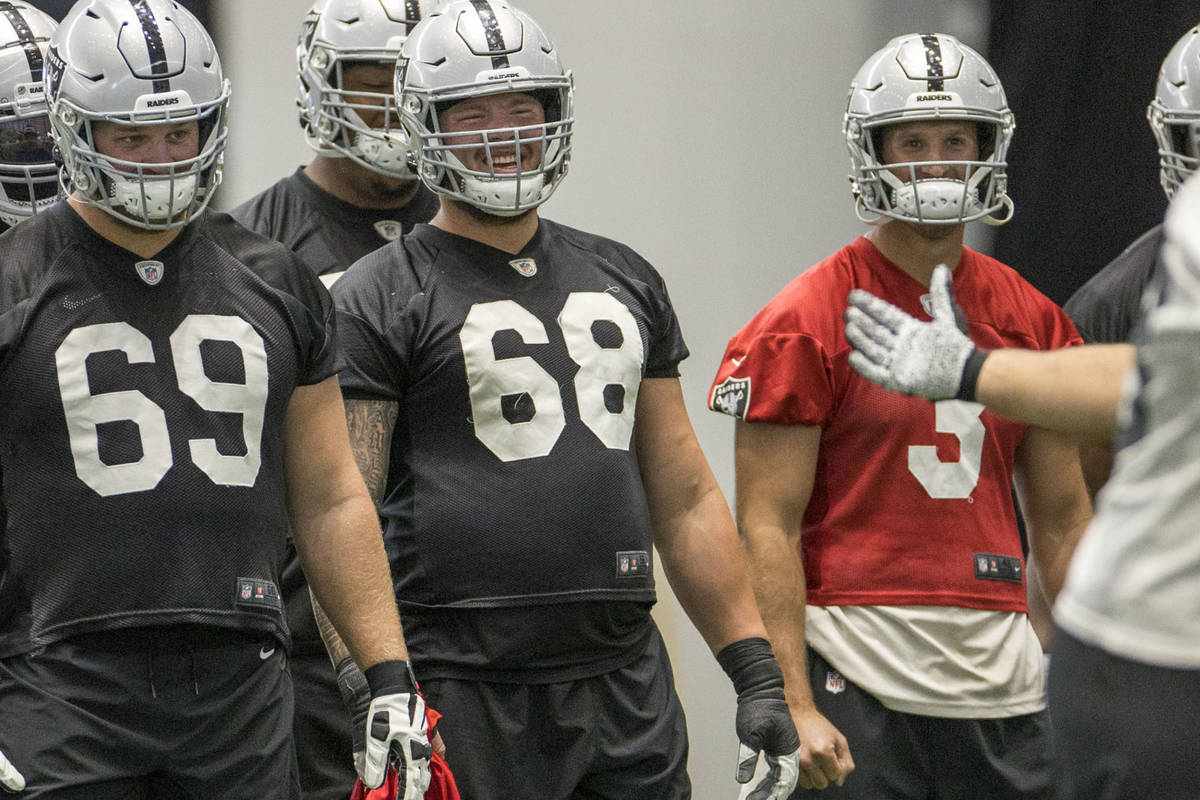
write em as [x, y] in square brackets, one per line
[28, 176]
[474, 48]
[335, 35]
[136, 62]
[1174, 113]
[928, 77]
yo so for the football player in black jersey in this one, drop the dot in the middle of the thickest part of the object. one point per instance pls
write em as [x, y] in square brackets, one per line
[169, 412]
[28, 177]
[358, 193]
[513, 397]
[1108, 308]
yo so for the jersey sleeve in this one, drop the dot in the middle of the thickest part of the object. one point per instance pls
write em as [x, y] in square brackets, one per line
[373, 328]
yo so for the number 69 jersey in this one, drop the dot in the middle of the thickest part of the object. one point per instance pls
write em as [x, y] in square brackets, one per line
[141, 425]
[512, 475]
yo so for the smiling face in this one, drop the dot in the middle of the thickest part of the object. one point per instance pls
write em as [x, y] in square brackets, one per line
[930, 141]
[499, 115]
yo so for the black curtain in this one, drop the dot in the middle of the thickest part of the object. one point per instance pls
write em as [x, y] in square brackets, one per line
[1083, 166]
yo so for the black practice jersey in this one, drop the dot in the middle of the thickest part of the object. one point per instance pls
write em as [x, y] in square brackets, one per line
[141, 433]
[1108, 308]
[328, 233]
[513, 486]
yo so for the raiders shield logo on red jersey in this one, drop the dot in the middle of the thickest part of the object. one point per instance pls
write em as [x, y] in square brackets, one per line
[149, 271]
[732, 397]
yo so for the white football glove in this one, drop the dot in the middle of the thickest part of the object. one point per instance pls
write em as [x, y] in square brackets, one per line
[907, 355]
[10, 778]
[396, 731]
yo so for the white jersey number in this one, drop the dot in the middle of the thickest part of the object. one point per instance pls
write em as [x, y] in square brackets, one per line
[490, 378]
[85, 411]
[951, 480]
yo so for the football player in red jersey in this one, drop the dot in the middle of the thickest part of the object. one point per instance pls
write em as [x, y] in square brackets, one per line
[881, 530]
[1126, 667]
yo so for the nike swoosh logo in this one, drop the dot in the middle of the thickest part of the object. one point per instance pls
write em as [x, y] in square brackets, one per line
[266, 653]
[737, 362]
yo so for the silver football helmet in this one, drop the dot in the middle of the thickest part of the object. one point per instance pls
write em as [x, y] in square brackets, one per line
[28, 175]
[1174, 113]
[136, 63]
[928, 77]
[335, 35]
[475, 48]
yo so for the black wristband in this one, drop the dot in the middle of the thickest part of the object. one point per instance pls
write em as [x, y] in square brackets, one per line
[970, 374]
[391, 677]
[351, 683]
[751, 665]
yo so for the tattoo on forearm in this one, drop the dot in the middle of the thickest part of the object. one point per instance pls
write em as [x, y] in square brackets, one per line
[371, 423]
[333, 643]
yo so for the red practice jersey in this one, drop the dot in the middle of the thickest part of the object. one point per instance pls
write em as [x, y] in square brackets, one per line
[911, 503]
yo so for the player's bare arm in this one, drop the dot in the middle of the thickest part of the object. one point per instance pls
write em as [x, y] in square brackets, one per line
[370, 424]
[693, 529]
[776, 465]
[695, 536]
[1054, 502]
[336, 529]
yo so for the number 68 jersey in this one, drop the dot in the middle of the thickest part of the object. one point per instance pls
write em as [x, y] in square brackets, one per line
[513, 479]
[141, 426]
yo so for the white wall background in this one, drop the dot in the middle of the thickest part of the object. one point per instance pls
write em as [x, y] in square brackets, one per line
[707, 138]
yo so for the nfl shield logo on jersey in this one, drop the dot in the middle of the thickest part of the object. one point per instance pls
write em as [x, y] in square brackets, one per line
[834, 682]
[389, 229]
[524, 266]
[149, 271]
[732, 397]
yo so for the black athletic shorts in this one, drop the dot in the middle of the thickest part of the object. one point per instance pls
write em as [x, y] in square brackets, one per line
[901, 756]
[1125, 730]
[143, 716]
[324, 748]
[616, 736]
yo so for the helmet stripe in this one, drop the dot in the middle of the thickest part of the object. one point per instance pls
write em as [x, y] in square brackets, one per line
[33, 54]
[412, 13]
[933, 59]
[491, 29]
[154, 44]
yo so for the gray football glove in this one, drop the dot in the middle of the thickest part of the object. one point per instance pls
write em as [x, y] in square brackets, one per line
[763, 720]
[395, 732]
[935, 359]
[10, 779]
[356, 694]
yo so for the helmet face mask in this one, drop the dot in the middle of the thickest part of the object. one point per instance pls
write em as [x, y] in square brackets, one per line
[28, 174]
[342, 118]
[161, 71]
[1174, 114]
[928, 77]
[477, 51]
